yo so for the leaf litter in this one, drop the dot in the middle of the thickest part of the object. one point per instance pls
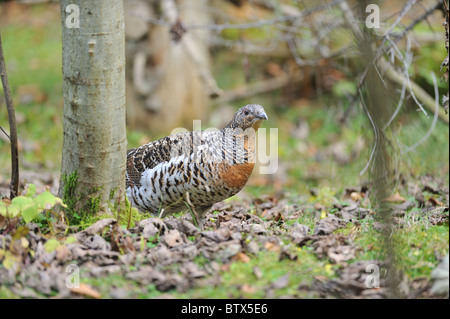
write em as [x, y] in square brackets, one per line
[173, 255]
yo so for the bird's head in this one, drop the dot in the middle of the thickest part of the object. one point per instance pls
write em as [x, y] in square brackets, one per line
[248, 116]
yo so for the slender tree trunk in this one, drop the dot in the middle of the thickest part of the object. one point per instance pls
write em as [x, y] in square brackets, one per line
[93, 57]
[14, 185]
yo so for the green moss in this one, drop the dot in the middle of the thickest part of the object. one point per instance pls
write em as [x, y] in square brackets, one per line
[69, 197]
[81, 206]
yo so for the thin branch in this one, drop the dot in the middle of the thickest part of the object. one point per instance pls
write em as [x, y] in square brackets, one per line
[436, 114]
[4, 132]
[421, 94]
[403, 91]
[375, 132]
[248, 25]
[14, 185]
[418, 20]
[258, 88]
[406, 76]
[404, 11]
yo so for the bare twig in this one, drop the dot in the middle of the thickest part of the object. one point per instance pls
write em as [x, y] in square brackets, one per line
[408, 5]
[14, 185]
[375, 133]
[406, 74]
[258, 88]
[421, 94]
[249, 25]
[4, 132]
[403, 91]
[418, 20]
[436, 114]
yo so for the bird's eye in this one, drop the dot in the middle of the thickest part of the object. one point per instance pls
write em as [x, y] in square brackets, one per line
[245, 112]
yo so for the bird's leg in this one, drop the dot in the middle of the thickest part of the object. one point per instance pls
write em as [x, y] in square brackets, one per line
[195, 216]
[202, 216]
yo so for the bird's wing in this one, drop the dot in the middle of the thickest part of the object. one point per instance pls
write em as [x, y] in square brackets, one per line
[150, 155]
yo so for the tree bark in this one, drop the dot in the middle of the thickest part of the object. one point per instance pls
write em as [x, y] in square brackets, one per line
[93, 58]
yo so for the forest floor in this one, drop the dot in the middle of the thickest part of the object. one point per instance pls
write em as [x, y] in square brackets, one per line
[268, 247]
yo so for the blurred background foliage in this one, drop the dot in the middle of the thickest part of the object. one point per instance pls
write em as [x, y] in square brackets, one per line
[302, 71]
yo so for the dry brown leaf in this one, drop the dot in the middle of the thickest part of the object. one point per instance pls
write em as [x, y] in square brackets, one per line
[86, 290]
[264, 212]
[396, 198]
[96, 228]
[271, 246]
[248, 289]
[241, 257]
[62, 253]
[225, 267]
[173, 238]
[435, 202]
[355, 196]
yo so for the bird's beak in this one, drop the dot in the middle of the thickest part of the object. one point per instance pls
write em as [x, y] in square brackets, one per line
[262, 116]
[259, 119]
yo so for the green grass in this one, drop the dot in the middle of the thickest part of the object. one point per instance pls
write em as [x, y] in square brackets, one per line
[418, 246]
[106, 284]
[33, 59]
[302, 271]
[6, 293]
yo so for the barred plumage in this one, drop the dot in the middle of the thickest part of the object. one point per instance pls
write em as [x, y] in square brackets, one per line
[194, 169]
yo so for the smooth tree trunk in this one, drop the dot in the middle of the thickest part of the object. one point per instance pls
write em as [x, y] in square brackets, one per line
[93, 63]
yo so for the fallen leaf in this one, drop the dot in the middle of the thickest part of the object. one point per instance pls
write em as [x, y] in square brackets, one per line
[435, 202]
[248, 289]
[264, 212]
[86, 290]
[396, 198]
[173, 238]
[341, 253]
[257, 272]
[96, 228]
[62, 253]
[297, 232]
[328, 225]
[286, 253]
[51, 244]
[241, 257]
[225, 267]
[271, 246]
[355, 196]
[281, 282]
